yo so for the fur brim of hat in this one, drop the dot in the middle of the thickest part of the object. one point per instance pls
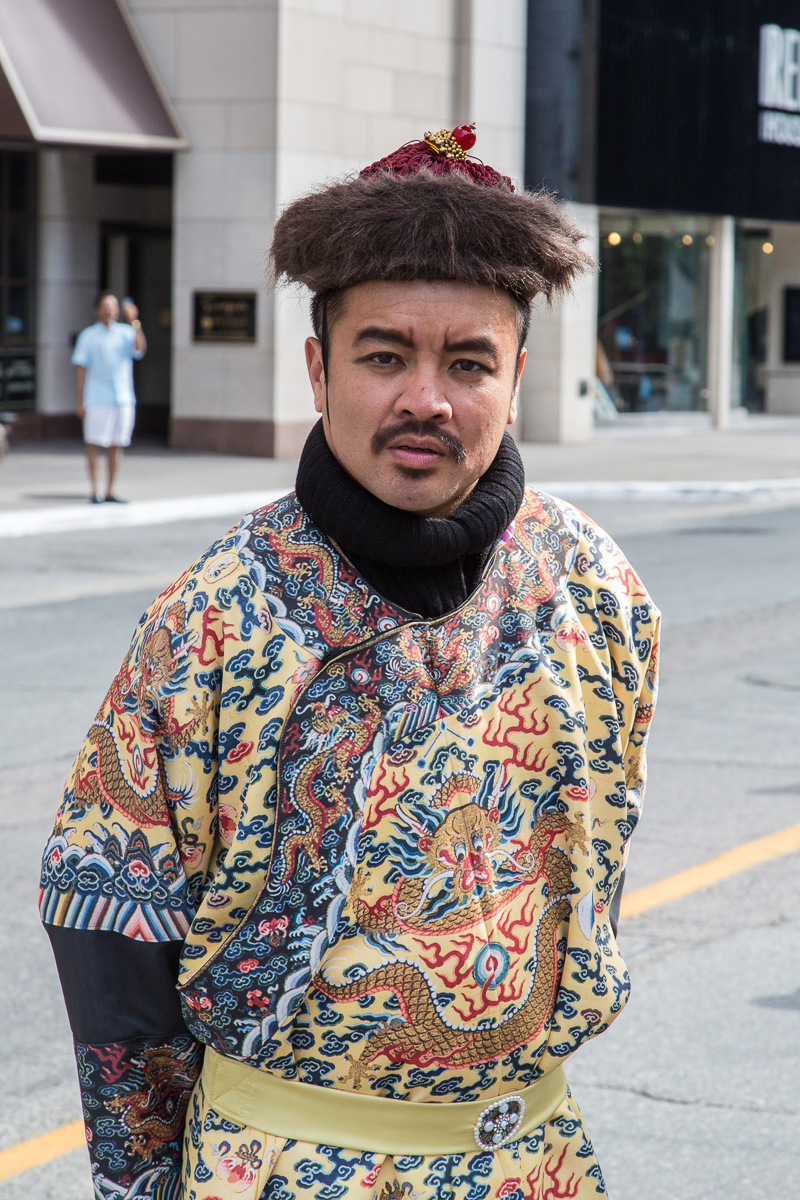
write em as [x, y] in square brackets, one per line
[428, 227]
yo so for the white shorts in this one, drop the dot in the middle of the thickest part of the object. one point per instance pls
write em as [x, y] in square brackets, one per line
[109, 425]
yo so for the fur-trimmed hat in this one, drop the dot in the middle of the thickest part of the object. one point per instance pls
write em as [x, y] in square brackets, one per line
[429, 212]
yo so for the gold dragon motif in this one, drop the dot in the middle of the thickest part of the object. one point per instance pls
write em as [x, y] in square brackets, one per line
[460, 858]
[322, 801]
[424, 1037]
[134, 781]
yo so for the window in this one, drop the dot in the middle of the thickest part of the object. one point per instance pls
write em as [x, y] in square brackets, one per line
[17, 279]
[653, 306]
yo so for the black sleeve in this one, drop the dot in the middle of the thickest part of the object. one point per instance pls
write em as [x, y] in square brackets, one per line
[116, 988]
[137, 1063]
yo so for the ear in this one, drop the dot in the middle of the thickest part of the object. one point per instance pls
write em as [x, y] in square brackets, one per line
[316, 372]
[512, 412]
[425, 842]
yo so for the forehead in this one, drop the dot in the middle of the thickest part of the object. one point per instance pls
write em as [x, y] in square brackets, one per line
[435, 306]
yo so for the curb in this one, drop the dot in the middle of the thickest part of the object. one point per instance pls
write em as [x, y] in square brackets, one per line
[677, 489]
[29, 522]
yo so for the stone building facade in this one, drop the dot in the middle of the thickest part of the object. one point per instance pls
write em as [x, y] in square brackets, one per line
[266, 99]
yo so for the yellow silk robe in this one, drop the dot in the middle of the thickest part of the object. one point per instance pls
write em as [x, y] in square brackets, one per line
[387, 846]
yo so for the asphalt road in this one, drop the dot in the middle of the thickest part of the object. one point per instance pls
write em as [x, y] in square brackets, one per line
[694, 1093]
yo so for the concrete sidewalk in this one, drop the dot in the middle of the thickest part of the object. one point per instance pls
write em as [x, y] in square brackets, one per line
[658, 456]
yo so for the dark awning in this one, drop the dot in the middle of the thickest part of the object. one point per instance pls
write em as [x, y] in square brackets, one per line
[74, 72]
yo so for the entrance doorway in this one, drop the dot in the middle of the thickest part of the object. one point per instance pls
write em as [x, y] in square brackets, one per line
[136, 261]
[751, 307]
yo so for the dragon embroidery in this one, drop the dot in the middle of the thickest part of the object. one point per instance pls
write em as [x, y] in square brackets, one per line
[423, 1035]
[461, 858]
[154, 1113]
[139, 708]
[320, 789]
[470, 867]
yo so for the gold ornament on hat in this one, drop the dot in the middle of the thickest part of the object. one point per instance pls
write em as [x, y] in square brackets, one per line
[452, 144]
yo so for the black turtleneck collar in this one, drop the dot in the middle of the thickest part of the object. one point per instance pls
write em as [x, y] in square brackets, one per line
[427, 565]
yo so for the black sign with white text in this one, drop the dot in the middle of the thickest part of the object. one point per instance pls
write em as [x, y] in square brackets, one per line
[698, 106]
[17, 379]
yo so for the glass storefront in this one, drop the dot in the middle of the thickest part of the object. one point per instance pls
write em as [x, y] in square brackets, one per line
[17, 280]
[653, 311]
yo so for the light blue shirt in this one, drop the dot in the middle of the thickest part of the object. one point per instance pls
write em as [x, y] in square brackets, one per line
[108, 357]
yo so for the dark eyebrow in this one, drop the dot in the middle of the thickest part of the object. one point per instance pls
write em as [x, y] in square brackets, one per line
[374, 333]
[475, 345]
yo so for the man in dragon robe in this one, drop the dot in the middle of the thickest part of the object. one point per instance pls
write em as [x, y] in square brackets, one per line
[332, 886]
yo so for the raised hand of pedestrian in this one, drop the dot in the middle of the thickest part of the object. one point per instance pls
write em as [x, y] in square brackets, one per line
[130, 311]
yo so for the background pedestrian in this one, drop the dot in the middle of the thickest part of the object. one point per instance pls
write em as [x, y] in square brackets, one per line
[104, 396]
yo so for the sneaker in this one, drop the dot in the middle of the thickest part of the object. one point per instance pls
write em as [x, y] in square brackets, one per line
[95, 499]
[115, 500]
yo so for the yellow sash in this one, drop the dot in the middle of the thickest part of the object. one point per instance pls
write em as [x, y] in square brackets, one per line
[354, 1121]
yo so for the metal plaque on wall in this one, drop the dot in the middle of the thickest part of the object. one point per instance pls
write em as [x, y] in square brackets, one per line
[224, 317]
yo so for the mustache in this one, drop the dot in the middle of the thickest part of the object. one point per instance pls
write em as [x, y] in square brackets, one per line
[428, 429]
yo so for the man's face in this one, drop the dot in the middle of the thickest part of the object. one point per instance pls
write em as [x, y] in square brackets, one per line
[422, 384]
[107, 309]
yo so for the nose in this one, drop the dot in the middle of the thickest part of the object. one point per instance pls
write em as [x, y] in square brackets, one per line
[423, 399]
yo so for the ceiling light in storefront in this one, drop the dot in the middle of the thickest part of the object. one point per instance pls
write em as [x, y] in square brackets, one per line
[614, 239]
[687, 239]
[638, 239]
[710, 240]
[767, 247]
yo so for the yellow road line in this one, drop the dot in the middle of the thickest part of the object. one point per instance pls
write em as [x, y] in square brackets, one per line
[52, 1145]
[42, 1149]
[706, 874]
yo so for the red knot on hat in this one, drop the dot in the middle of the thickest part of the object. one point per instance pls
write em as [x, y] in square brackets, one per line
[441, 153]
